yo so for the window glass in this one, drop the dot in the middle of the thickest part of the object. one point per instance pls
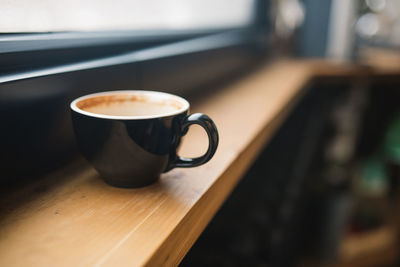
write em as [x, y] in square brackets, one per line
[100, 15]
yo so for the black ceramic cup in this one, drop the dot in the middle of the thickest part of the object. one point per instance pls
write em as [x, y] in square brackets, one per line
[131, 137]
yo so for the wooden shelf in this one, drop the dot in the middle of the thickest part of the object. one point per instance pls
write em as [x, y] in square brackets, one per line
[73, 218]
[373, 248]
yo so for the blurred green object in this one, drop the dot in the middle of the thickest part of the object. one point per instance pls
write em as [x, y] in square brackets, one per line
[392, 141]
[373, 178]
[391, 148]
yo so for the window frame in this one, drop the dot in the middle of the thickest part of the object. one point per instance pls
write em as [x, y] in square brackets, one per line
[40, 74]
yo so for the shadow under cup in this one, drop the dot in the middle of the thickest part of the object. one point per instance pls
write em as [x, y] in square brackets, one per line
[131, 137]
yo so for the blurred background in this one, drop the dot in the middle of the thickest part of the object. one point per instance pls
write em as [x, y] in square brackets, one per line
[324, 192]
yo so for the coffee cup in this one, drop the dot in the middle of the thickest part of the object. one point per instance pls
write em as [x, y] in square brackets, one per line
[131, 137]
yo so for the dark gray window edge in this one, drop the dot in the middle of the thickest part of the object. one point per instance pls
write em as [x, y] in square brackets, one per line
[19, 42]
[181, 48]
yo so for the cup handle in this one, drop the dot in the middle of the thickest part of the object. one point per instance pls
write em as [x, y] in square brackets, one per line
[212, 133]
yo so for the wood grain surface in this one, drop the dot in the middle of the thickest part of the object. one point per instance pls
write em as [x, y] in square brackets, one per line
[72, 218]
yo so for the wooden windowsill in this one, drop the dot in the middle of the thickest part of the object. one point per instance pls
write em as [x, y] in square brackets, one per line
[73, 218]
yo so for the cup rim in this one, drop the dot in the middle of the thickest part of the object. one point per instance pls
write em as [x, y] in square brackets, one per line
[184, 108]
